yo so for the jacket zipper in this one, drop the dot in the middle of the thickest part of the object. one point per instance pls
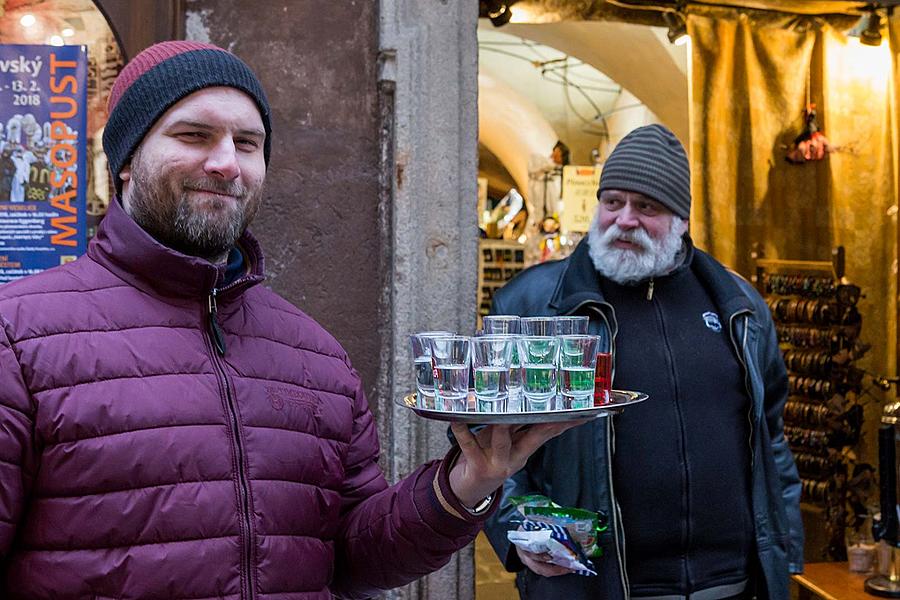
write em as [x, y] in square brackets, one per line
[616, 511]
[687, 530]
[216, 334]
[217, 338]
[618, 532]
[740, 354]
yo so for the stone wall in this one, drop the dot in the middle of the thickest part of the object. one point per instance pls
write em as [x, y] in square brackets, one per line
[319, 221]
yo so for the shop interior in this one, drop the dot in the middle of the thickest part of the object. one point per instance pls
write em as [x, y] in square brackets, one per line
[788, 110]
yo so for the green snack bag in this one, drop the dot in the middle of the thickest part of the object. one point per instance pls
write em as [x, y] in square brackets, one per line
[530, 500]
[583, 525]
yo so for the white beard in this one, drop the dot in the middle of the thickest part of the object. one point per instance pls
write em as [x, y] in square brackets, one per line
[627, 266]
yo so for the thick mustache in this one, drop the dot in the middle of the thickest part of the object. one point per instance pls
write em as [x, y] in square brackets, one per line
[635, 236]
[216, 187]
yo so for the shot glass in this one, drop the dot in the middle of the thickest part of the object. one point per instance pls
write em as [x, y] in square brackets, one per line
[451, 356]
[571, 325]
[422, 367]
[509, 325]
[537, 355]
[505, 324]
[577, 364]
[541, 326]
[491, 356]
[603, 370]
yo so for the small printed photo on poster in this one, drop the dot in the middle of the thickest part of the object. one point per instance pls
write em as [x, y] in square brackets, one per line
[26, 166]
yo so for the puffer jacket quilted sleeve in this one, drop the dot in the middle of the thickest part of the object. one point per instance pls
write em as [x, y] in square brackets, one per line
[16, 458]
[393, 535]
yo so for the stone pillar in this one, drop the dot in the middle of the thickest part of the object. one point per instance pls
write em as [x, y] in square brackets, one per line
[428, 66]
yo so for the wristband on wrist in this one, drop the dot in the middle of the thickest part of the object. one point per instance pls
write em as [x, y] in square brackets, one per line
[481, 507]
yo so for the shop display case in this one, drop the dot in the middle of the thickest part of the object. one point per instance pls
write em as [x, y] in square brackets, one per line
[498, 262]
[818, 325]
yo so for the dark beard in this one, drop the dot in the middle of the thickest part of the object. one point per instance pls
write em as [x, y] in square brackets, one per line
[175, 223]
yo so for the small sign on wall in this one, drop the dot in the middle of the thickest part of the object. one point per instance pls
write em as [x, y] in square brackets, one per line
[579, 197]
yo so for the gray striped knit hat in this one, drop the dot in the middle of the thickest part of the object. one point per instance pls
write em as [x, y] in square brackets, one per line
[651, 161]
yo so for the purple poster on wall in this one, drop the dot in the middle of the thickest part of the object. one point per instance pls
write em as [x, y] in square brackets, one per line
[43, 146]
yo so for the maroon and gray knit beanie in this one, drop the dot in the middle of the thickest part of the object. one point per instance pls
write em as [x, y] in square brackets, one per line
[159, 77]
[651, 161]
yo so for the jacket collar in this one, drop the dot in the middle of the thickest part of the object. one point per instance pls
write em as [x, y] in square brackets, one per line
[580, 282]
[134, 256]
[721, 284]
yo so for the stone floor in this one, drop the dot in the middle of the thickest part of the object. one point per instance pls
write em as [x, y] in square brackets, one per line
[492, 581]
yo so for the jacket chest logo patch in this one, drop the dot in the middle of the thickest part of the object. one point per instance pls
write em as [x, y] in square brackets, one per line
[711, 320]
[279, 397]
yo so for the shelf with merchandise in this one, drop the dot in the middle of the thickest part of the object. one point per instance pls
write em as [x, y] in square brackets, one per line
[498, 262]
[818, 326]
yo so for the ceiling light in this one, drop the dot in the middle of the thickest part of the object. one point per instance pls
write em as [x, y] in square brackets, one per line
[871, 36]
[27, 20]
[868, 28]
[677, 28]
[67, 32]
[56, 40]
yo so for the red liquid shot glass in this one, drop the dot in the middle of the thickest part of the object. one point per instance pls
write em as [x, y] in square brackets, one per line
[603, 379]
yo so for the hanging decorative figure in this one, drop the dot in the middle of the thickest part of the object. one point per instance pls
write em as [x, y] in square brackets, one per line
[811, 144]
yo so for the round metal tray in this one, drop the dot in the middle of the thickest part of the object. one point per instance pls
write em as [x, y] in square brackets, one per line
[619, 399]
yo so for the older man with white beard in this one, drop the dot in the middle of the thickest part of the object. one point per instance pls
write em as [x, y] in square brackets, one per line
[697, 483]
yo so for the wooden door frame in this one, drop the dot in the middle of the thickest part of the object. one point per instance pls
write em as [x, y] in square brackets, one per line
[138, 24]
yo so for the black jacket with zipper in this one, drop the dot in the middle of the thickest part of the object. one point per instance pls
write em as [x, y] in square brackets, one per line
[575, 469]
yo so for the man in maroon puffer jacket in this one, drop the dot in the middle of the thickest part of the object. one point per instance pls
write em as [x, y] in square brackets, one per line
[169, 428]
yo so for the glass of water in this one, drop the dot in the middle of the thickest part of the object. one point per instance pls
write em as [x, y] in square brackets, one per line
[451, 356]
[543, 326]
[509, 325]
[424, 371]
[491, 356]
[537, 355]
[577, 363]
[571, 325]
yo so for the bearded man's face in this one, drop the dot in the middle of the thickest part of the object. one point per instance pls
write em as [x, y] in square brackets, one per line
[195, 182]
[633, 237]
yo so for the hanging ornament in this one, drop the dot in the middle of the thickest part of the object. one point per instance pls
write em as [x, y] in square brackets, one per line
[811, 144]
